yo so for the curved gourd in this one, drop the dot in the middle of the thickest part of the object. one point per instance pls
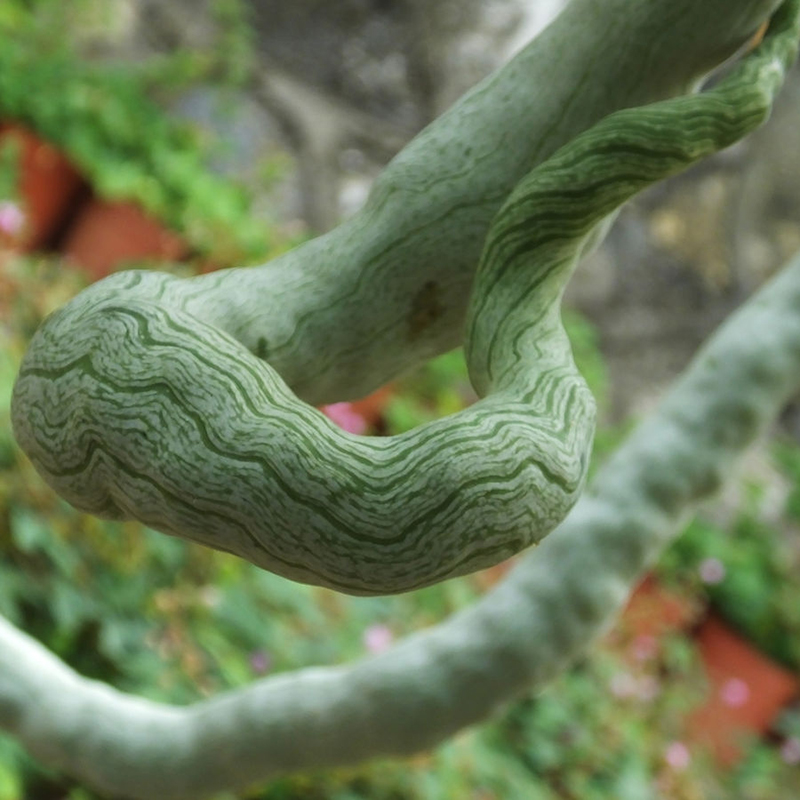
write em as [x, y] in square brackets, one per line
[145, 397]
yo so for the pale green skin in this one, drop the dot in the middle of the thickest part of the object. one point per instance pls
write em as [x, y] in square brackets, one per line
[140, 398]
[564, 592]
[137, 409]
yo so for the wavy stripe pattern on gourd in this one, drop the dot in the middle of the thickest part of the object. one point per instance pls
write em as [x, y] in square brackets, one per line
[138, 398]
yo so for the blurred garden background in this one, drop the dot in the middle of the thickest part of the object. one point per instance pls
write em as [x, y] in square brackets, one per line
[191, 136]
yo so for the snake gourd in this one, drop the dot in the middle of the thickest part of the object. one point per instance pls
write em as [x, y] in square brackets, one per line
[141, 398]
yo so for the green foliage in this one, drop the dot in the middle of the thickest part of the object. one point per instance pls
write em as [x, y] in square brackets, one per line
[747, 568]
[237, 39]
[9, 169]
[788, 457]
[102, 116]
[585, 349]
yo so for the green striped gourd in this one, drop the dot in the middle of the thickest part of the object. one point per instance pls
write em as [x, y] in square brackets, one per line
[153, 398]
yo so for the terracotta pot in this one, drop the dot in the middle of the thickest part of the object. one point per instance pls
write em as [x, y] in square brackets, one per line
[654, 610]
[371, 407]
[487, 578]
[747, 690]
[107, 235]
[49, 187]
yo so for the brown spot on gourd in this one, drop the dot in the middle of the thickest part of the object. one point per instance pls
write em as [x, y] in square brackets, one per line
[426, 308]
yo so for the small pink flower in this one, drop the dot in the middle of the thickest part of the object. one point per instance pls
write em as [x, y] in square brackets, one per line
[734, 692]
[260, 662]
[644, 647]
[378, 638]
[677, 755]
[712, 571]
[790, 751]
[12, 218]
[344, 416]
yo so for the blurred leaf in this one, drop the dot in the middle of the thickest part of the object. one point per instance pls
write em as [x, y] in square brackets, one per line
[28, 532]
